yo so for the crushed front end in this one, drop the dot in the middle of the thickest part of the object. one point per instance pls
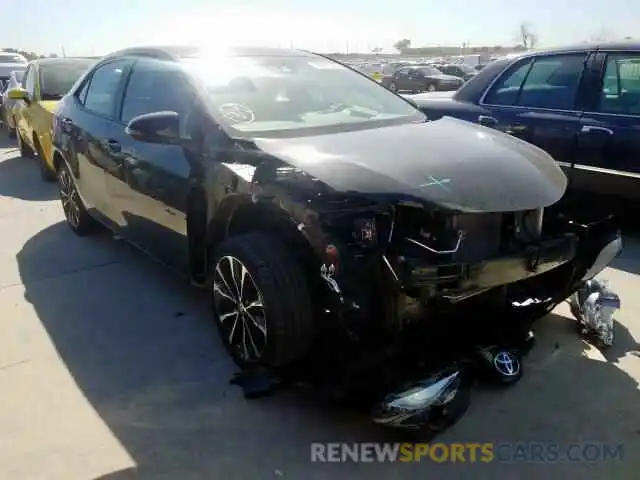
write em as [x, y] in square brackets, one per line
[422, 290]
[422, 261]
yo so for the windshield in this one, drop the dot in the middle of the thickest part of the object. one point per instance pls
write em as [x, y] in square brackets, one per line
[57, 78]
[12, 58]
[296, 95]
[429, 70]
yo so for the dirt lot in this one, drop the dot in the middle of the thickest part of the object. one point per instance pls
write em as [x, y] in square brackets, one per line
[110, 368]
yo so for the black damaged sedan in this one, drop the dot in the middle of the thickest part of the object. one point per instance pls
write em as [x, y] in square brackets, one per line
[326, 217]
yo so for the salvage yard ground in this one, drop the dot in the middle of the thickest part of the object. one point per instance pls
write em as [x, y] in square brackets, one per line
[110, 368]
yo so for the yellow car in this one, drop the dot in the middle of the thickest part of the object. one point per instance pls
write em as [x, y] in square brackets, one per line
[45, 81]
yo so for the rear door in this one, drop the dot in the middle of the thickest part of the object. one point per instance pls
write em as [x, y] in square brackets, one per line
[403, 79]
[92, 132]
[149, 188]
[609, 142]
[538, 100]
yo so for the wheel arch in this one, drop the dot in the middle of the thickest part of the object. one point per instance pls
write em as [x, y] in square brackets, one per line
[239, 214]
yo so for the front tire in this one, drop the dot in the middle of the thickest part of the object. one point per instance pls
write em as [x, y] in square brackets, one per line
[393, 87]
[261, 301]
[74, 210]
[432, 87]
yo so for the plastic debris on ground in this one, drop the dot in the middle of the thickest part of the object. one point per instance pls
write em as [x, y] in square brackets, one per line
[594, 305]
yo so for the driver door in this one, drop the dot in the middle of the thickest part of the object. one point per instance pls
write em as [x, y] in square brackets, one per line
[150, 187]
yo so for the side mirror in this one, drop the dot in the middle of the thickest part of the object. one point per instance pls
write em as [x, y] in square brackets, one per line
[18, 94]
[156, 127]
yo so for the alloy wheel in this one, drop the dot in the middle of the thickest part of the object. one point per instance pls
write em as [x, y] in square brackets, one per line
[239, 308]
[69, 198]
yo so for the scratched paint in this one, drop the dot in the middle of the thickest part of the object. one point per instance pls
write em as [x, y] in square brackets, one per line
[434, 182]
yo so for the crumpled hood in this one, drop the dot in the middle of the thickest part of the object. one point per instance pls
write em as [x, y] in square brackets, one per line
[448, 162]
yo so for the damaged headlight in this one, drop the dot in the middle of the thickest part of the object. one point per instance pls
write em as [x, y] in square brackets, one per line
[373, 230]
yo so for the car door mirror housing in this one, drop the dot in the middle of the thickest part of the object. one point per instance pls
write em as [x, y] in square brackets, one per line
[156, 127]
[18, 94]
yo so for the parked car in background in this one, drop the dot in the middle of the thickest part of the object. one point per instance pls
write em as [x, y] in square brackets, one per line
[421, 78]
[462, 71]
[312, 201]
[10, 62]
[7, 104]
[581, 104]
[45, 82]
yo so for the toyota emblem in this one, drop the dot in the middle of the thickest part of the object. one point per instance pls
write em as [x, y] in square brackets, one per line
[507, 364]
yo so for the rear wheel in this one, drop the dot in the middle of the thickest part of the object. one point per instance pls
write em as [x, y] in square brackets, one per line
[393, 87]
[46, 173]
[261, 301]
[431, 87]
[11, 130]
[25, 150]
[74, 210]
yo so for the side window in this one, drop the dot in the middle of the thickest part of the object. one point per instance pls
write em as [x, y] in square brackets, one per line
[155, 86]
[30, 80]
[103, 87]
[621, 85]
[505, 91]
[81, 94]
[402, 71]
[551, 82]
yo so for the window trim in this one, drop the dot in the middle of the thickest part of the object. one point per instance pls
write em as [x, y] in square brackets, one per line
[532, 59]
[125, 86]
[23, 83]
[602, 73]
[89, 79]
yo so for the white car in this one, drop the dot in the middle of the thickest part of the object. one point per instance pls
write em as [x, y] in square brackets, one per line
[7, 104]
[9, 62]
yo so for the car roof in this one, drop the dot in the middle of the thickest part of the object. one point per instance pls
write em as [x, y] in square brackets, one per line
[58, 60]
[177, 52]
[627, 45]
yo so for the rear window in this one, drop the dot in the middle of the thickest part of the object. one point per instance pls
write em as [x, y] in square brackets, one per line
[12, 58]
[57, 78]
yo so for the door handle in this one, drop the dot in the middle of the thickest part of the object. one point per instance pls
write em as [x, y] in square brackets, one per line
[593, 128]
[66, 124]
[114, 145]
[487, 121]
[516, 129]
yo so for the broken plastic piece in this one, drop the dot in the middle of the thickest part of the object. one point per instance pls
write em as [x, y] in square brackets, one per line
[256, 382]
[432, 404]
[594, 305]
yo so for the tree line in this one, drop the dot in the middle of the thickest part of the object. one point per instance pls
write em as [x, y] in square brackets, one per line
[29, 55]
[525, 39]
